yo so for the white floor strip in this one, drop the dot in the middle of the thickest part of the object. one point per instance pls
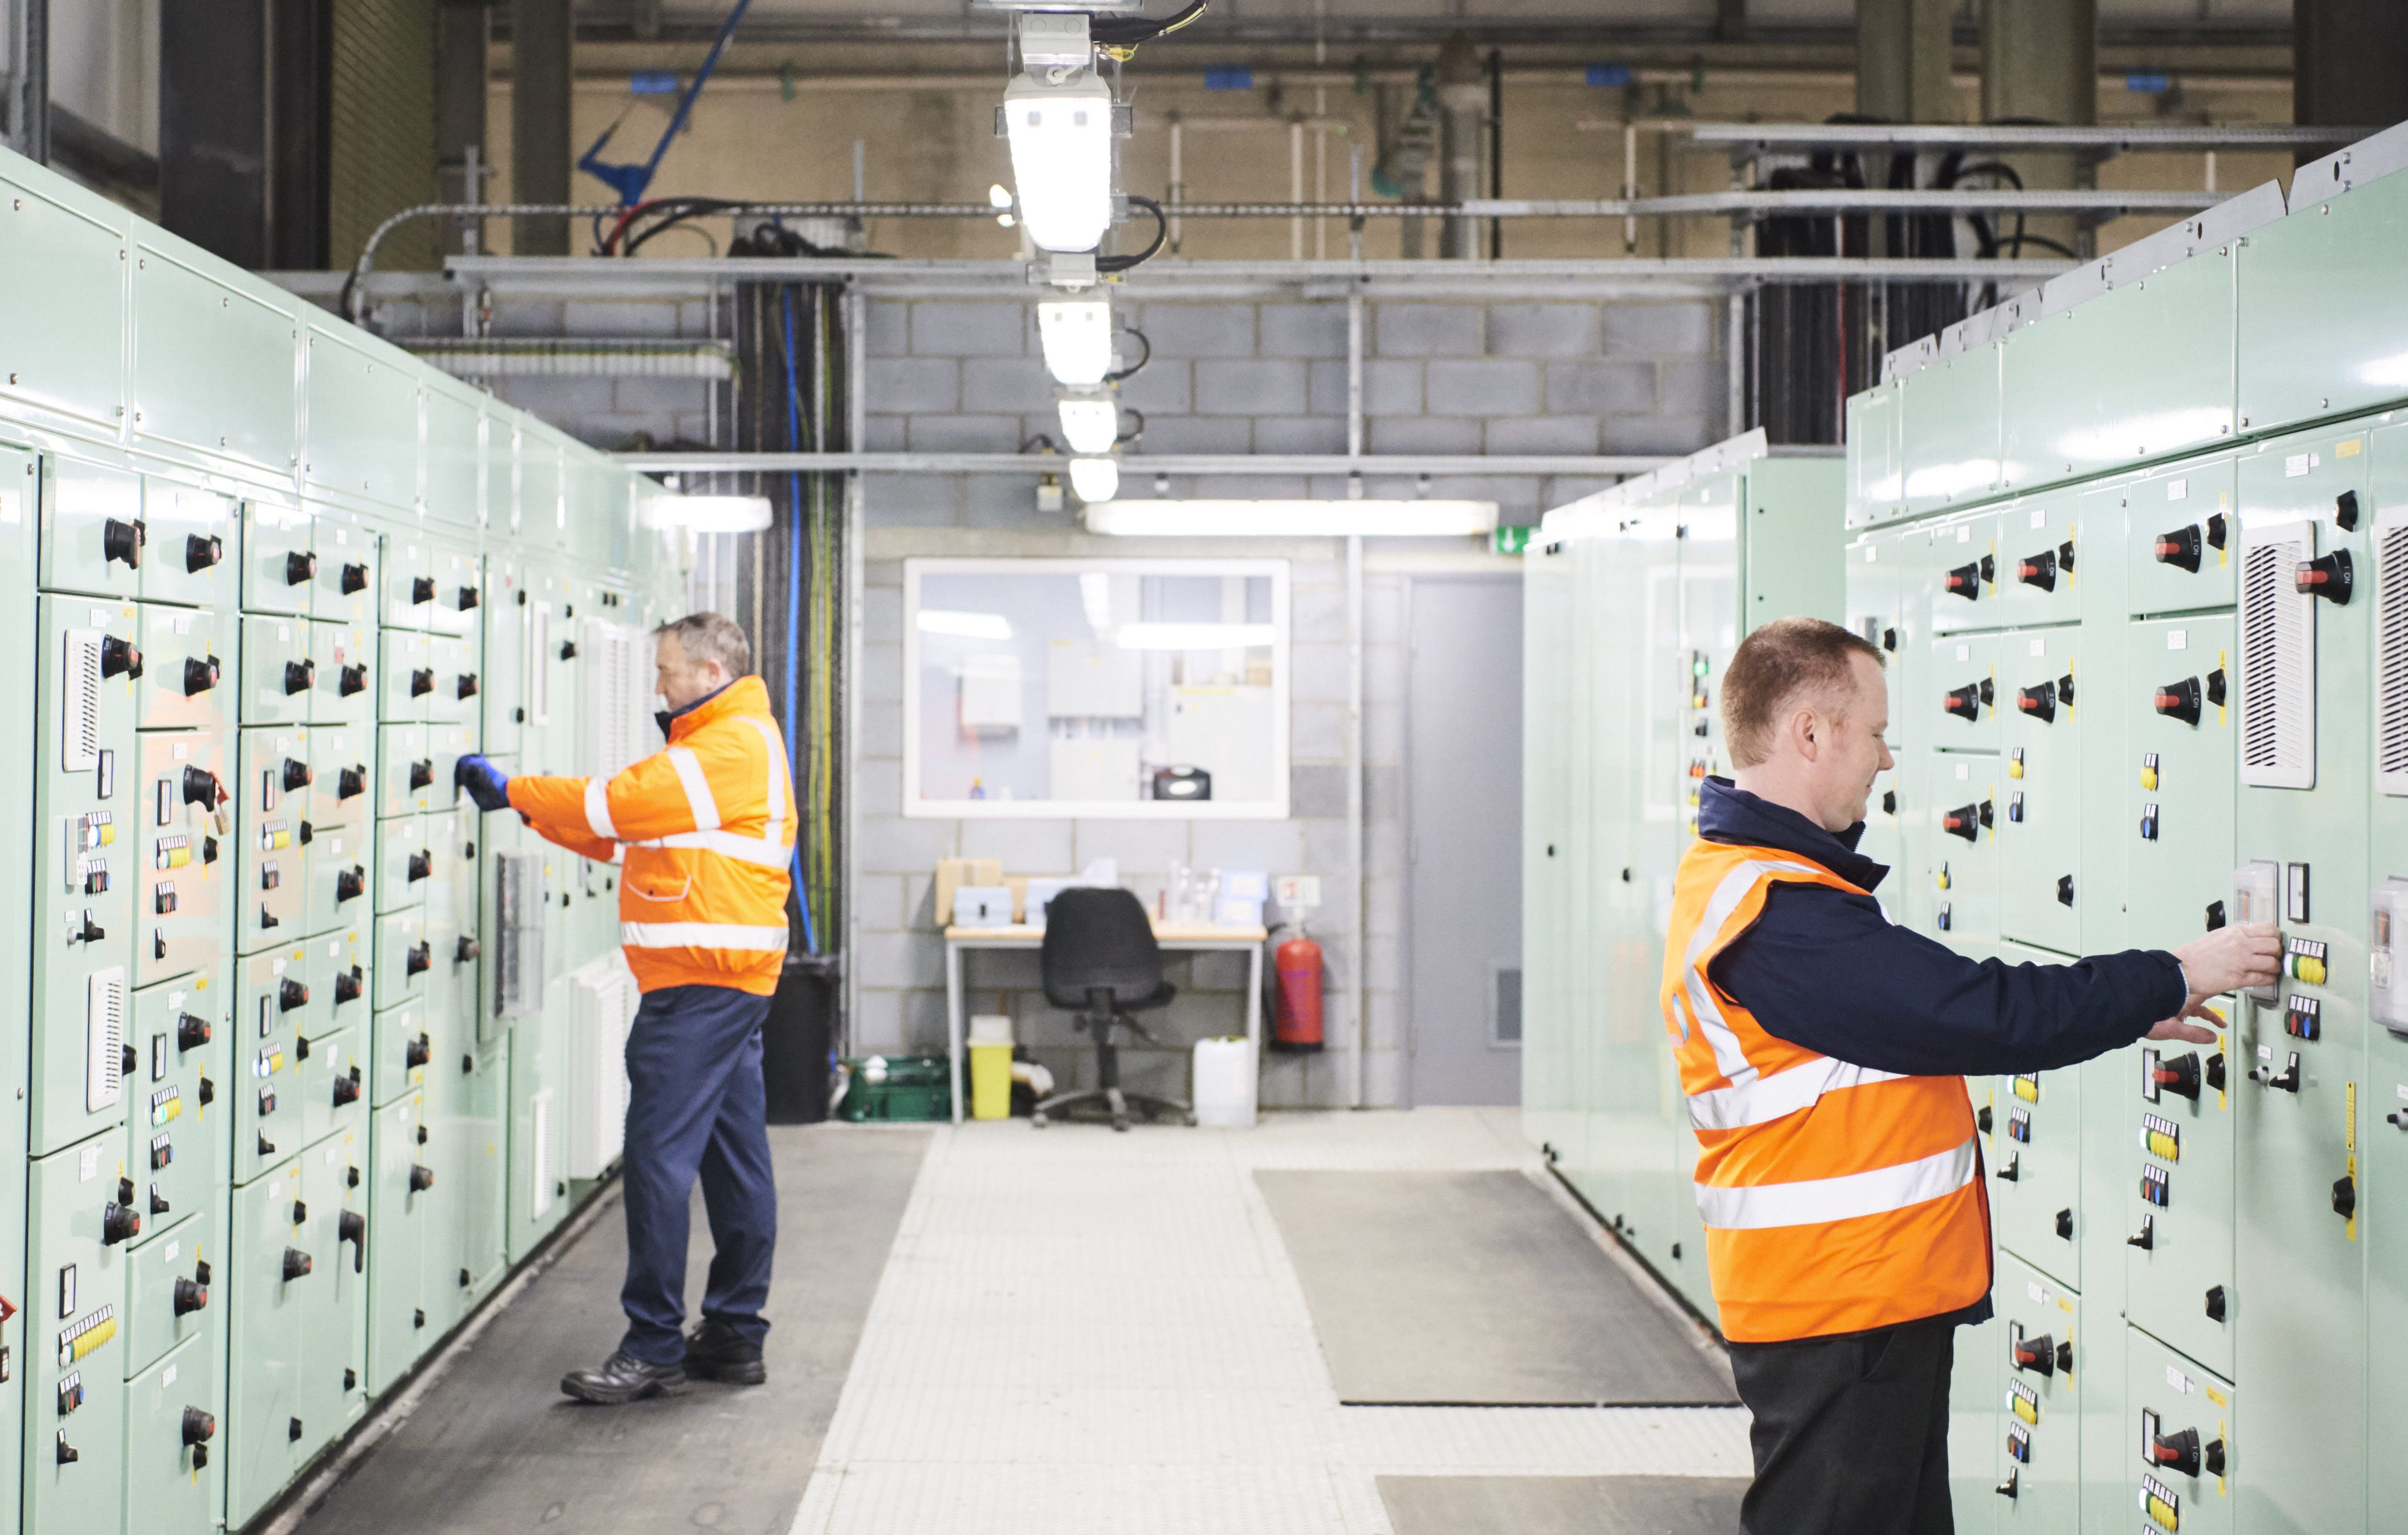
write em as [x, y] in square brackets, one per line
[1079, 1332]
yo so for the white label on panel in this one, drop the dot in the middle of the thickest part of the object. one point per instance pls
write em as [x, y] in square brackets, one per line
[2177, 490]
[1964, 653]
[1872, 554]
[167, 1376]
[2176, 639]
[175, 1250]
[2177, 1380]
[182, 751]
[1964, 770]
[2298, 465]
[88, 1164]
[2039, 647]
[2040, 517]
[1964, 534]
[2039, 1296]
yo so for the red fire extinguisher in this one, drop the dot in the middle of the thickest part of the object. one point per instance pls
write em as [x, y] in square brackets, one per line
[1296, 1022]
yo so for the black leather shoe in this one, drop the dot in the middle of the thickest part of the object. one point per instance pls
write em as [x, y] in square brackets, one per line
[621, 1380]
[716, 1352]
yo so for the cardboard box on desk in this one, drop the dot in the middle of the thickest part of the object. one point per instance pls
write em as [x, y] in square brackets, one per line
[953, 873]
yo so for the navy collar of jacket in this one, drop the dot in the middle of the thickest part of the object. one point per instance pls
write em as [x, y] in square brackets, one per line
[663, 716]
[1728, 814]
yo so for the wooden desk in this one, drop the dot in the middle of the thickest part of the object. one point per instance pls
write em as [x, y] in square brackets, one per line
[1185, 938]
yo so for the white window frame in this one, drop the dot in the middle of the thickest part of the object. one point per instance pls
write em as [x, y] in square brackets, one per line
[1273, 809]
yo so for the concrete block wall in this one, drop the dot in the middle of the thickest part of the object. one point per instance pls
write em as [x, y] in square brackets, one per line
[1265, 377]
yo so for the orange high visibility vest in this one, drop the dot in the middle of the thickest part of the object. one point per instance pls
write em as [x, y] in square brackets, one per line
[706, 829]
[1835, 1198]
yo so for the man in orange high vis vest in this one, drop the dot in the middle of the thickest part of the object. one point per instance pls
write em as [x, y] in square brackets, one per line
[706, 829]
[1823, 1052]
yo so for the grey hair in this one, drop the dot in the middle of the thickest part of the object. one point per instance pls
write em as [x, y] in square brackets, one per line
[710, 636]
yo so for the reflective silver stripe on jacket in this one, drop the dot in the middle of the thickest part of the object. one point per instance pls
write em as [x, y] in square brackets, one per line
[1815, 1201]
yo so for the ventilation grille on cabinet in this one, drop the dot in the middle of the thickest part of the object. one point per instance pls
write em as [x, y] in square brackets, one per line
[2278, 662]
[2391, 656]
[104, 1039]
[80, 702]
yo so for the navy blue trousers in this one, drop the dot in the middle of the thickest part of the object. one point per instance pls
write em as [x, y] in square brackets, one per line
[696, 1106]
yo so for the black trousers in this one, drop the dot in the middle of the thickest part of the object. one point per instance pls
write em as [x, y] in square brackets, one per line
[1851, 1433]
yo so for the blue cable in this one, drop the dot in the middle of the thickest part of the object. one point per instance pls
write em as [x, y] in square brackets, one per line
[795, 594]
[630, 182]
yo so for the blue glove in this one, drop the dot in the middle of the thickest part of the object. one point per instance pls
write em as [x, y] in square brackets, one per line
[487, 784]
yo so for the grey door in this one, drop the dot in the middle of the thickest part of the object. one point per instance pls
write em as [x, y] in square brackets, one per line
[1463, 793]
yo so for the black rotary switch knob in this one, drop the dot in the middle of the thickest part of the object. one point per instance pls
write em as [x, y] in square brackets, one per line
[2328, 576]
[123, 542]
[351, 1227]
[120, 1222]
[422, 589]
[2179, 700]
[348, 984]
[2215, 1072]
[2176, 1452]
[2038, 702]
[1964, 582]
[119, 658]
[201, 787]
[421, 682]
[351, 783]
[420, 959]
[417, 1052]
[192, 1031]
[346, 1088]
[352, 679]
[2216, 1307]
[568, 650]
[468, 684]
[421, 773]
[295, 774]
[420, 1178]
[2039, 570]
[421, 866]
[2178, 1075]
[199, 1428]
[2344, 1196]
[299, 677]
[300, 566]
[200, 674]
[296, 1263]
[1963, 821]
[355, 579]
[291, 994]
[202, 551]
[468, 599]
[2037, 1355]
[467, 950]
[1964, 702]
[190, 1296]
[2179, 548]
[350, 884]
[2064, 1223]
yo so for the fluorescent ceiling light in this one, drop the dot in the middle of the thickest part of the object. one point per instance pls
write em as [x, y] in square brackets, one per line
[708, 513]
[1091, 425]
[1194, 637]
[1293, 519]
[1062, 159]
[965, 626]
[1076, 336]
[1095, 478]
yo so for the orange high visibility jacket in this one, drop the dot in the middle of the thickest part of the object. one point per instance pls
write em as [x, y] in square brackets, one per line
[1835, 1198]
[707, 831]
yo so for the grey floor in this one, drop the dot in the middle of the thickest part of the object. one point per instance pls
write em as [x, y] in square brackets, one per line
[1478, 1288]
[1563, 1505]
[494, 1447]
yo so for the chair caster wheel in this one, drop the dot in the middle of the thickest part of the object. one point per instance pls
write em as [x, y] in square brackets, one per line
[1120, 1123]
[1037, 1120]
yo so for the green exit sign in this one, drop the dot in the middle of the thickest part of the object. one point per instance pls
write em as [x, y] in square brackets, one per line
[1513, 539]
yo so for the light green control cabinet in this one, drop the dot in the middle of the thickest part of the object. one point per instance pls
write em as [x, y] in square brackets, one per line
[265, 1135]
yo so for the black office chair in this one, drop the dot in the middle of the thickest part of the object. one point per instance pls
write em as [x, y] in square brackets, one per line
[1100, 959]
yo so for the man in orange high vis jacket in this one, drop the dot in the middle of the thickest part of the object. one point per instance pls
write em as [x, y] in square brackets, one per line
[1823, 1052]
[706, 829]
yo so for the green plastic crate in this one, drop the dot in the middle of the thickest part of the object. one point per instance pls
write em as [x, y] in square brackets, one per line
[896, 1088]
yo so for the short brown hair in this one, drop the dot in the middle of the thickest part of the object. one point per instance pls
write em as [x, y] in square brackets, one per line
[1774, 665]
[710, 636]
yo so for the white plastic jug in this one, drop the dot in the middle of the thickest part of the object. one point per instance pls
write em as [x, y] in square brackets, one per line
[1224, 1083]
